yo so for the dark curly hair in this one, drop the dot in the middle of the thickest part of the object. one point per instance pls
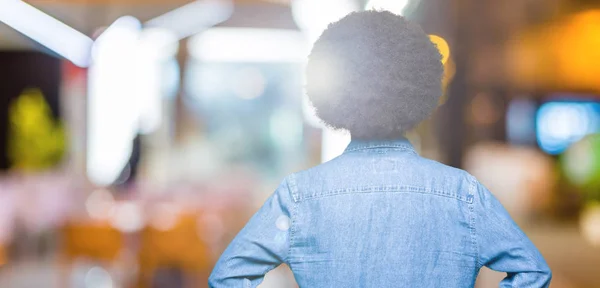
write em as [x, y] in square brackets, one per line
[374, 74]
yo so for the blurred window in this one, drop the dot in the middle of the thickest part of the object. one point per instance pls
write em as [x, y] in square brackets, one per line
[250, 102]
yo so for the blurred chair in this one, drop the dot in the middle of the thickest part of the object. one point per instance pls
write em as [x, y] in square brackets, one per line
[3, 256]
[98, 242]
[176, 248]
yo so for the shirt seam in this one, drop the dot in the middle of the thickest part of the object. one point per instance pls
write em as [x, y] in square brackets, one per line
[472, 190]
[293, 207]
[388, 189]
[292, 187]
[375, 146]
[530, 257]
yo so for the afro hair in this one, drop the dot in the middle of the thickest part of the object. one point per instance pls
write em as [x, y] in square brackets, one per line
[374, 74]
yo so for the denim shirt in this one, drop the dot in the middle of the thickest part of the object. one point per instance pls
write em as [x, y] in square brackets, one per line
[380, 215]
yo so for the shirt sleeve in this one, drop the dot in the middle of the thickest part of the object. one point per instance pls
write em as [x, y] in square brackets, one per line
[504, 247]
[260, 246]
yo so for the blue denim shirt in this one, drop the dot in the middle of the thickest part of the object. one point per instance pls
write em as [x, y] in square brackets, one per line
[380, 215]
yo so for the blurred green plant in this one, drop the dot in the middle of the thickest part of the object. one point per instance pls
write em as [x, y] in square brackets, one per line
[581, 166]
[36, 140]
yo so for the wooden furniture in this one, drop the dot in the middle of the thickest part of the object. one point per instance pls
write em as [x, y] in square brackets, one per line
[177, 247]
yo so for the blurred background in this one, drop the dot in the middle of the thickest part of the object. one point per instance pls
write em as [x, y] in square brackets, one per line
[138, 137]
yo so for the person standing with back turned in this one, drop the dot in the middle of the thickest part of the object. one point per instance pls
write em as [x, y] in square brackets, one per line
[379, 215]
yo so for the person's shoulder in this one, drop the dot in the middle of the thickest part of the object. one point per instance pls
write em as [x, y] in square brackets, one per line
[319, 177]
[445, 169]
[324, 169]
[447, 178]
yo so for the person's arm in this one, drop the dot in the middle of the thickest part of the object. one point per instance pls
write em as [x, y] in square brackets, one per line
[262, 245]
[504, 247]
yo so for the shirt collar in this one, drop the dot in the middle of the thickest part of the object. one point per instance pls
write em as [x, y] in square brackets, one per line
[400, 143]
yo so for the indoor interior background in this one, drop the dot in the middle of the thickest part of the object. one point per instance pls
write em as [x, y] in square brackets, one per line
[138, 136]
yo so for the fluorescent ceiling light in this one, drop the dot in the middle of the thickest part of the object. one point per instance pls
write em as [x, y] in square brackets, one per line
[124, 94]
[194, 17]
[113, 115]
[42, 28]
[124, 24]
[249, 45]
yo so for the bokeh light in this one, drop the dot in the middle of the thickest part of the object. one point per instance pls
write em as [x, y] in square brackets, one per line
[283, 223]
[581, 163]
[559, 124]
[313, 16]
[442, 45]
[590, 224]
[250, 83]
[394, 6]
[483, 110]
[164, 216]
[127, 217]
[100, 204]
[211, 227]
[259, 45]
[520, 121]
[98, 277]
